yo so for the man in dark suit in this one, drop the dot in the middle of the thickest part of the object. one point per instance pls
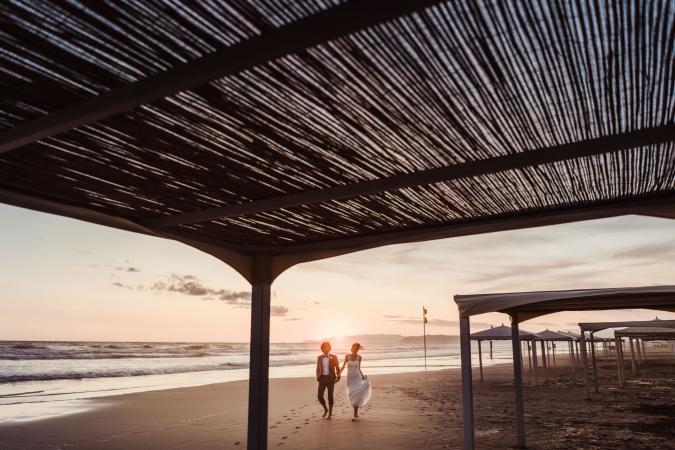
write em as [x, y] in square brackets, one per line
[327, 374]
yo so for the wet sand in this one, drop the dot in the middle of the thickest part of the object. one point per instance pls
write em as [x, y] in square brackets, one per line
[407, 411]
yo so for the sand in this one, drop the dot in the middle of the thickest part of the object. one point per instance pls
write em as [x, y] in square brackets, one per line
[407, 411]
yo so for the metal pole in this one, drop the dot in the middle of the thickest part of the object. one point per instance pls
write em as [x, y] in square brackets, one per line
[619, 360]
[632, 356]
[480, 360]
[518, 381]
[584, 365]
[424, 328]
[467, 388]
[543, 359]
[491, 350]
[644, 350]
[595, 368]
[529, 356]
[553, 347]
[639, 351]
[534, 361]
[258, 386]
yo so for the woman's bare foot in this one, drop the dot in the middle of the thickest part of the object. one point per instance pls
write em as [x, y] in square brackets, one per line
[325, 411]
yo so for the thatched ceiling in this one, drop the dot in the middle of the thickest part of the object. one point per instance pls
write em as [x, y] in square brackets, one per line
[443, 87]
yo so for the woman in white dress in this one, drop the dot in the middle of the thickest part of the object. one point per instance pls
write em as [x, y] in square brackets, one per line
[358, 385]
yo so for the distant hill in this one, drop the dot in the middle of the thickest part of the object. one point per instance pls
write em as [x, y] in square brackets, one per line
[432, 339]
[365, 339]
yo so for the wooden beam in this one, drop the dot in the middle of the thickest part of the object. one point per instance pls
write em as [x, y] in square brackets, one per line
[319, 28]
[299, 253]
[590, 147]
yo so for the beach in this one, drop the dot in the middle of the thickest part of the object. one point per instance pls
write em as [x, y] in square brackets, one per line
[408, 410]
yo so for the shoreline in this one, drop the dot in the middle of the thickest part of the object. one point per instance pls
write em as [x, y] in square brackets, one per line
[408, 410]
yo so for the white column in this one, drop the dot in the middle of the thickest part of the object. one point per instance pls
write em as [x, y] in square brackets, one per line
[480, 360]
[584, 365]
[518, 381]
[467, 386]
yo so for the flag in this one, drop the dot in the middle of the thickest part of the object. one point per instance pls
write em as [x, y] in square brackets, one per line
[424, 315]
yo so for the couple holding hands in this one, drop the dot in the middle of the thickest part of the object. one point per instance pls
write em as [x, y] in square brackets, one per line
[328, 372]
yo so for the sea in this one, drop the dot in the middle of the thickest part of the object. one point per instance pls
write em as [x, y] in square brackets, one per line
[39, 380]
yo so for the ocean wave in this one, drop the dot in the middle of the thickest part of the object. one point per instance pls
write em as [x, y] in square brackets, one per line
[115, 373]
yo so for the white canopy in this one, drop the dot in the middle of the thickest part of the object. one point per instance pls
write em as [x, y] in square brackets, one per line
[646, 332]
[532, 304]
[597, 326]
[500, 333]
[549, 335]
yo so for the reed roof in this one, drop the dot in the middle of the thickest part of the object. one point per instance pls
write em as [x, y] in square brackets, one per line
[313, 128]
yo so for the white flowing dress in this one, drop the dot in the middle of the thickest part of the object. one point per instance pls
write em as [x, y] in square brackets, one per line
[358, 389]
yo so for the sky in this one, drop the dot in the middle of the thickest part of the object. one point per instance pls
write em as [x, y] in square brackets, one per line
[63, 279]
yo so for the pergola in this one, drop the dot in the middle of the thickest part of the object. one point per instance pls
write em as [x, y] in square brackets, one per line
[644, 334]
[557, 336]
[500, 333]
[522, 306]
[269, 133]
[594, 327]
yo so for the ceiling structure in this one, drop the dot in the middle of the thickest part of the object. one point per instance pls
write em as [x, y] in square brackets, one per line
[305, 129]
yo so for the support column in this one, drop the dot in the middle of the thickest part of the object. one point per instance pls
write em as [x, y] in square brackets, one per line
[639, 352]
[595, 366]
[619, 359]
[644, 350]
[518, 381]
[480, 360]
[258, 385]
[534, 362]
[553, 348]
[467, 387]
[529, 356]
[491, 350]
[543, 360]
[584, 365]
[633, 366]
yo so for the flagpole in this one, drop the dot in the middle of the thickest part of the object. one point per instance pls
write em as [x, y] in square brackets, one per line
[424, 327]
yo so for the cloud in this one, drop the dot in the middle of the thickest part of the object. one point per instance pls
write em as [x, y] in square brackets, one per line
[418, 320]
[278, 311]
[121, 285]
[190, 285]
[649, 251]
[127, 269]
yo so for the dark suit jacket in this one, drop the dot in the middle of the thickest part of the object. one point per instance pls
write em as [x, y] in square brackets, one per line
[333, 367]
